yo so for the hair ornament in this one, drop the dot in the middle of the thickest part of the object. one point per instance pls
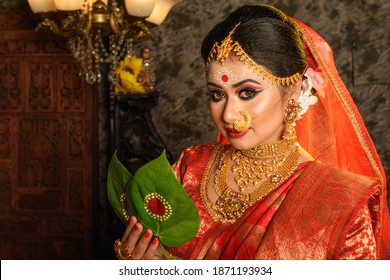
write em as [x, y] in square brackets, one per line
[307, 95]
[223, 50]
[227, 46]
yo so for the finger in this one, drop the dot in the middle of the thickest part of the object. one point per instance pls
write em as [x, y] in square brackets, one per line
[150, 253]
[131, 242]
[129, 227]
[142, 245]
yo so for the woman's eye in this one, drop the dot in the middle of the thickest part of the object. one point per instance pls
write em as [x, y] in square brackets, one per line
[216, 95]
[247, 93]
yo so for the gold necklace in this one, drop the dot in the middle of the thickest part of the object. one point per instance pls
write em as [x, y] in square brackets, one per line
[230, 205]
[270, 149]
[255, 165]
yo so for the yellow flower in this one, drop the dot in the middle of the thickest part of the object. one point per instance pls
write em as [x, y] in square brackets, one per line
[129, 83]
[128, 71]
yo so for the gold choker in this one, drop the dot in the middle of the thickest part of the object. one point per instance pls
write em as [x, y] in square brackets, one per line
[268, 150]
[258, 164]
[230, 204]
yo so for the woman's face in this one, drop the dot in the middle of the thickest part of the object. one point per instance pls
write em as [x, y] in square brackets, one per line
[233, 87]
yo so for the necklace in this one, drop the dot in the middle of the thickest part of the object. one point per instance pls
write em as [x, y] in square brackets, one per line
[230, 205]
[269, 150]
[255, 165]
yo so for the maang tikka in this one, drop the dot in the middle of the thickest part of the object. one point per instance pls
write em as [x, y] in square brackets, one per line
[290, 115]
[220, 51]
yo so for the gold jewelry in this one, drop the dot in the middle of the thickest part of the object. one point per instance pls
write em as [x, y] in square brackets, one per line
[123, 202]
[228, 45]
[223, 50]
[230, 205]
[255, 165]
[120, 251]
[243, 125]
[269, 150]
[290, 115]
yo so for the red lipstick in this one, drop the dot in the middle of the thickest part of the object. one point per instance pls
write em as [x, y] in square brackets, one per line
[234, 133]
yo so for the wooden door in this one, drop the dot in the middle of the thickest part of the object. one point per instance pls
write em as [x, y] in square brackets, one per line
[47, 142]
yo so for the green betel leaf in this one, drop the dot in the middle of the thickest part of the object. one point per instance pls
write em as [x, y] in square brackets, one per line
[156, 197]
[162, 203]
[118, 178]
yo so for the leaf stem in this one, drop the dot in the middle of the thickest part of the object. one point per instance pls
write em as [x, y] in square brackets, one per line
[165, 254]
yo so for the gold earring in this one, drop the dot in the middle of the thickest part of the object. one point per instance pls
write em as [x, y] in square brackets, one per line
[243, 125]
[290, 115]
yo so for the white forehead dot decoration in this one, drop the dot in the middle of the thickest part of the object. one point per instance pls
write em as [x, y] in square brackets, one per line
[225, 75]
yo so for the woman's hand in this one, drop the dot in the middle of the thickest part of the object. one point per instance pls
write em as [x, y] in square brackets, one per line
[139, 247]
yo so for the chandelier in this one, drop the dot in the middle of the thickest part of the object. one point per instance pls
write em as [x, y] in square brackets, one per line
[101, 31]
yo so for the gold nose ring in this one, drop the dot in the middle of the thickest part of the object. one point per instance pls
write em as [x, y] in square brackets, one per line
[243, 125]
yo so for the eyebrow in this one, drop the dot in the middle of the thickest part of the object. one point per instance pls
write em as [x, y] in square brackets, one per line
[213, 84]
[236, 84]
[245, 81]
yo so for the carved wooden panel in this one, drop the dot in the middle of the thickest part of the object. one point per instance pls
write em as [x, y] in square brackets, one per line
[9, 88]
[46, 146]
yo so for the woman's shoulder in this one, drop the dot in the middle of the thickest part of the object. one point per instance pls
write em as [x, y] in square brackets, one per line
[201, 152]
[197, 152]
[195, 158]
[203, 148]
[338, 175]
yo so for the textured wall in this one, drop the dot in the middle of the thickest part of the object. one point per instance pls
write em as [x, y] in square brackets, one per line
[355, 29]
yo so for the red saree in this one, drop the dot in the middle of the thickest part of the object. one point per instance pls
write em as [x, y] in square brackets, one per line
[308, 217]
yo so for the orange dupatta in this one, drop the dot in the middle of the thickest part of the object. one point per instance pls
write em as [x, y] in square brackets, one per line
[333, 131]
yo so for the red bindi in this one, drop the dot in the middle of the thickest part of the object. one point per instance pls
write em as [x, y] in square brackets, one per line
[225, 78]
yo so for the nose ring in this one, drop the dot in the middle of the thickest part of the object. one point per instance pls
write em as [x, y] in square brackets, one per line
[243, 125]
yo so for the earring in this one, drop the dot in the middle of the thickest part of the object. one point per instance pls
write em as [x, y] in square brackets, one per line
[243, 125]
[290, 115]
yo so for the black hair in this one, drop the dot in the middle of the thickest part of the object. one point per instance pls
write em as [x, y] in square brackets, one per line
[267, 35]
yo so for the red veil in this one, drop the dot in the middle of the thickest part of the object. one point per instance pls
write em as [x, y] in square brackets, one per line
[333, 132]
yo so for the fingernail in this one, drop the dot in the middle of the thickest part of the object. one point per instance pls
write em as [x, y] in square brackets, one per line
[154, 241]
[136, 227]
[147, 234]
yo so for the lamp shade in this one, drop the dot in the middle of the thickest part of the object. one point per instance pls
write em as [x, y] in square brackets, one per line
[139, 8]
[161, 10]
[69, 5]
[41, 6]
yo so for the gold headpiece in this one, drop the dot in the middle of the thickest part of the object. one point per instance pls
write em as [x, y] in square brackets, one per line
[228, 45]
